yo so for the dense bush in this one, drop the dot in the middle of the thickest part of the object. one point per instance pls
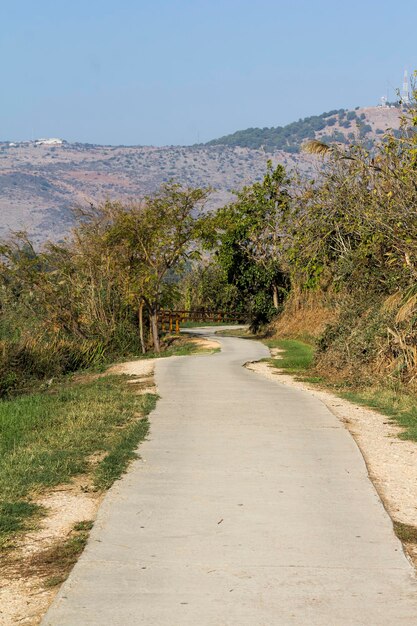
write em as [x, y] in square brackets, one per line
[96, 296]
[352, 235]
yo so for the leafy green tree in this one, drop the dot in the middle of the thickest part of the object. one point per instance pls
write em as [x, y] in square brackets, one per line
[205, 286]
[152, 240]
[250, 243]
[73, 304]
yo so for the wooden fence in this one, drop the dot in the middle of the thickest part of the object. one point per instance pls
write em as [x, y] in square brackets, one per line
[171, 320]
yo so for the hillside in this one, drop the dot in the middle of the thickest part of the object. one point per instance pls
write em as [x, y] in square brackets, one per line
[344, 126]
[40, 183]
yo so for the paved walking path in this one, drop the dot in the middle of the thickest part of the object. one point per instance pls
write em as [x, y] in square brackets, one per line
[251, 506]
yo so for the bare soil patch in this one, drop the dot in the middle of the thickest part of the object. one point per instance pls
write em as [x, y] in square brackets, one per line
[142, 370]
[25, 579]
[206, 344]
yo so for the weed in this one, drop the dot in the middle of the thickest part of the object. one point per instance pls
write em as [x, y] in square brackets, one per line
[405, 532]
[54, 581]
[84, 525]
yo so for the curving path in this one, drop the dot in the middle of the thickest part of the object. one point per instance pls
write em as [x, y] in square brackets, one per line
[251, 506]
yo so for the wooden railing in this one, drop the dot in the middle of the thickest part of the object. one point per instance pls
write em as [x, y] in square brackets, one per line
[171, 320]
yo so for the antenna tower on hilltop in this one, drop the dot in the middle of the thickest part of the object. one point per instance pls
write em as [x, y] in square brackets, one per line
[405, 94]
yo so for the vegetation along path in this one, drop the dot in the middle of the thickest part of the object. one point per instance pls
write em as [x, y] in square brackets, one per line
[251, 505]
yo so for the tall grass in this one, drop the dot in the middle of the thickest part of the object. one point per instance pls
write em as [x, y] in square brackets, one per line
[37, 358]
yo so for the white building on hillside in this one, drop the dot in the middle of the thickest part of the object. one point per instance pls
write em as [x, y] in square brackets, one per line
[53, 141]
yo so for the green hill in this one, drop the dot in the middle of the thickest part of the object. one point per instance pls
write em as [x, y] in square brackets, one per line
[338, 125]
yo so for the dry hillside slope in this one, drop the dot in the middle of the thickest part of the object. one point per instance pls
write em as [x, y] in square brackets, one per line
[39, 184]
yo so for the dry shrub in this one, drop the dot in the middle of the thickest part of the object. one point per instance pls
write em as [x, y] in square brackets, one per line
[398, 352]
[305, 316]
[361, 337]
[371, 339]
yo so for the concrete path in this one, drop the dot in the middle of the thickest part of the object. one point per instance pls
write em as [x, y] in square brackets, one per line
[251, 506]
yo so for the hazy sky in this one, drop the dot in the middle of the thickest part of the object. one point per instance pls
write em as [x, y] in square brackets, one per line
[184, 71]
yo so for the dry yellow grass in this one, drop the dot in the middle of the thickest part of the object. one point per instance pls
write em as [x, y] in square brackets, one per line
[304, 318]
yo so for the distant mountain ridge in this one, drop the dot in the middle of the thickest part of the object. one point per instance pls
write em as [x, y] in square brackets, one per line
[40, 182]
[340, 125]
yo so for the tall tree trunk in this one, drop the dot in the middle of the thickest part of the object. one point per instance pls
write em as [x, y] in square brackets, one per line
[275, 295]
[154, 329]
[141, 335]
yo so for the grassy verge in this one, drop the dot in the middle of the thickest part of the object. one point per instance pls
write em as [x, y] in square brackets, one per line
[296, 356]
[33, 371]
[48, 438]
[397, 404]
[52, 434]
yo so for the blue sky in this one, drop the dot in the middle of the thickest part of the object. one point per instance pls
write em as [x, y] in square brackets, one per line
[168, 72]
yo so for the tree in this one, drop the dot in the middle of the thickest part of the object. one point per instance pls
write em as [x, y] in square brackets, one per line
[151, 241]
[120, 259]
[205, 286]
[251, 235]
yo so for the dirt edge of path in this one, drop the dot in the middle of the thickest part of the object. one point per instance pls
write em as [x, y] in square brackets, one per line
[391, 462]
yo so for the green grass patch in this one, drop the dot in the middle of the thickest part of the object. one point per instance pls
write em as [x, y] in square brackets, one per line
[399, 405]
[47, 438]
[297, 356]
[15, 515]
